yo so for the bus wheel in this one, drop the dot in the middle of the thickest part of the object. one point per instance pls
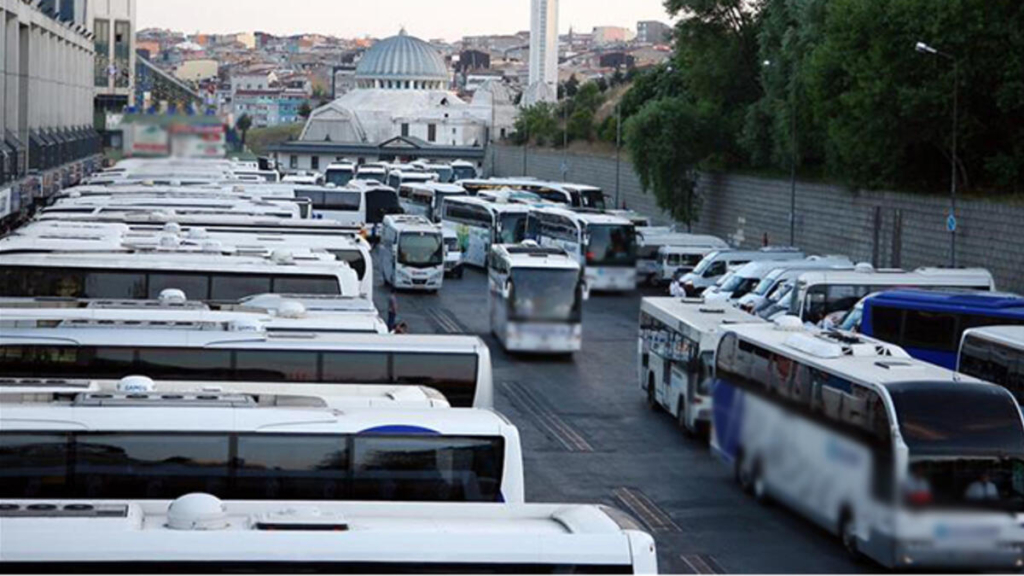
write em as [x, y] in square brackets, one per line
[741, 473]
[652, 401]
[847, 532]
[757, 484]
[681, 419]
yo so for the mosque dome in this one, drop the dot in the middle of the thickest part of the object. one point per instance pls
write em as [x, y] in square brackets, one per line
[402, 62]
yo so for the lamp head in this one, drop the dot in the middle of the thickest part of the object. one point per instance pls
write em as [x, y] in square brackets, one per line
[924, 48]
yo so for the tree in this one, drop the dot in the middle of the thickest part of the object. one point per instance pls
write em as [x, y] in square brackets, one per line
[668, 140]
[243, 124]
[305, 110]
[602, 84]
[581, 124]
[537, 123]
[571, 86]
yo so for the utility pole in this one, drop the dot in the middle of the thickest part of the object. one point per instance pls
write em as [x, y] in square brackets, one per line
[618, 152]
[793, 159]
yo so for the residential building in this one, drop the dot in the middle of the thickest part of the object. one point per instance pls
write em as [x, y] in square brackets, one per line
[113, 26]
[543, 51]
[197, 70]
[604, 35]
[653, 32]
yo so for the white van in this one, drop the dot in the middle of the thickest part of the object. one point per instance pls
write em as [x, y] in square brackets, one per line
[412, 253]
[758, 298]
[749, 276]
[717, 264]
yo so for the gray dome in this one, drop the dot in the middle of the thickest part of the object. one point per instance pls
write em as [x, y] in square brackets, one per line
[402, 58]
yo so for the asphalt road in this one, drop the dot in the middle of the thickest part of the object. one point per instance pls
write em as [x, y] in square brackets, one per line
[588, 437]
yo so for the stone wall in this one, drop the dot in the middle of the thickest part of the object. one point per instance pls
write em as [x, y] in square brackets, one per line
[886, 228]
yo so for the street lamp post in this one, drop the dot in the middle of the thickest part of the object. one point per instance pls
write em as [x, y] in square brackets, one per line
[618, 152]
[923, 48]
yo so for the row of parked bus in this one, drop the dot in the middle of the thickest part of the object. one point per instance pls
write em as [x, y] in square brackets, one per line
[883, 405]
[194, 378]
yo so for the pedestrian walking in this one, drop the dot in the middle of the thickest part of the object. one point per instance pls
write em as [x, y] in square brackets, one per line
[392, 312]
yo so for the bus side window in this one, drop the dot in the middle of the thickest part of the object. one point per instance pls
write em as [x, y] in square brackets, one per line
[725, 358]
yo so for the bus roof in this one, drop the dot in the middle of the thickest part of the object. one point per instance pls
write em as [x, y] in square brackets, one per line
[1012, 336]
[684, 314]
[859, 358]
[957, 300]
[153, 394]
[197, 262]
[968, 277]
[373, 535]
[584, 217]
[410, 223]
[434, 187]
[527, 256]
[495, 207]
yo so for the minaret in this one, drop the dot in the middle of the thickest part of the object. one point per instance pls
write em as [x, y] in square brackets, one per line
[544, 45]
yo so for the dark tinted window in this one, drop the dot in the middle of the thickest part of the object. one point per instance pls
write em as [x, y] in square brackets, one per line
[33, 465]
[380, 203]
[361, 368]
[930, 331]
[106, 362]
[316, 198]
[238, 287]
[887, 323]
[958, 419]
[149, 466]
[276, 366]
[39, 361]
[403, 468]
[342, 201]
[195, 286]
[28, 282]
[355, 260]
[124, 285]
[290, 467]
[183, 363]
[324, 285]
[434, 368]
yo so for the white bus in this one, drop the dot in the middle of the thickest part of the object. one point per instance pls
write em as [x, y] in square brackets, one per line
[407, 175]
[376, 171]
[480, 223]
[568, 194]
[412, 253]
[340, 173]
[304, 178]
[662, 252]
[378, 201]
[78, 236]
[427, 199]
[910, 464]
[604, 245]
[995, 354]
[457, 366]
[199, 533]
[821, 293]
[463, 170]
[675, 356]
[183, 205]
[536, 299]
[251, 441]
[444, 172]
[213, 277]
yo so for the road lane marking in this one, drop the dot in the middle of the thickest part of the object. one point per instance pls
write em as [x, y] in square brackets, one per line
[702, 564]
[445, 321]
[656, 519]
[550, 423]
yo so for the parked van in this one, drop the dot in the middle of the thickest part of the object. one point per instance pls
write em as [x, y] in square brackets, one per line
[717, 264]
[749, 276]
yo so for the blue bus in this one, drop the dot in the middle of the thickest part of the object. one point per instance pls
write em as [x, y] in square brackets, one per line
[929, 324]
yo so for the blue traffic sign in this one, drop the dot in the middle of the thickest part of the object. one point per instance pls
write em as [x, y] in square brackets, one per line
[951, 223]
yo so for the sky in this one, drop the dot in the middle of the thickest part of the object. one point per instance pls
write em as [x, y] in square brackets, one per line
[448, 19]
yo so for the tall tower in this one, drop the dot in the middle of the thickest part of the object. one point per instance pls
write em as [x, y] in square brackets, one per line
[544, 47]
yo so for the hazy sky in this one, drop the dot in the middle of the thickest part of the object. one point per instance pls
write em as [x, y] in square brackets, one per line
[449, 19]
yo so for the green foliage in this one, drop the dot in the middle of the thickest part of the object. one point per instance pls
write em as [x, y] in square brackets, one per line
[571, 86]
[243, 124]
[305, 110]
[581, 124]
[536, 123]
[667, 139]
[260, 138]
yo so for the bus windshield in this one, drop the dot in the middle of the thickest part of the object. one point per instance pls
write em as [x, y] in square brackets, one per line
[513, 228]
[545, 295]
[463, 173]
[421, 250]
[444, 173]
[958, 420]
[339, 177]
[592, 199]
[611, 245]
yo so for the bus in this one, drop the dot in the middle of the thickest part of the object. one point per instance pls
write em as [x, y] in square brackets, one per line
[536, 299]
[408, 175]
[304, 178]
[427, 199]
[662, 252]
[819, 294]
[340, 173]
[995, 354]
[76, 236]
[604, 245]
[206, 277]
[463, 170]
[288, 209]
[568, 194]
[883, 450]
[372, 171]
[480, 224]
[199, 533]
[713, 267]
[412, 253]
[930, 324]
[242, 350]
[675, 356]
[139, 438]
[444, 172]
[378, 202]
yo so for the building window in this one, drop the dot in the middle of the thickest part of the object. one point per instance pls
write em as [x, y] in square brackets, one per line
[314, 162]
[101, 30]
[405, 130]
[122, 53]
[293, 162]
[431, 132]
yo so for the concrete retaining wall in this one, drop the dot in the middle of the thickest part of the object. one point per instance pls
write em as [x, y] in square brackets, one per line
[887, 228]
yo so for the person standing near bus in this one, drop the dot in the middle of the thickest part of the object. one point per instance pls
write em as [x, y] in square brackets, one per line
[392, 312]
